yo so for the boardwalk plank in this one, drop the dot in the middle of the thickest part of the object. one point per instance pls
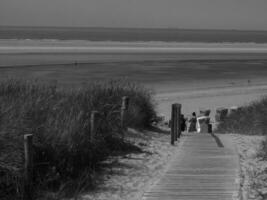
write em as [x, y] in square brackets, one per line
[202, 170]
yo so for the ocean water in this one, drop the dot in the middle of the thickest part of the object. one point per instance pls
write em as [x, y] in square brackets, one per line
[129, 34]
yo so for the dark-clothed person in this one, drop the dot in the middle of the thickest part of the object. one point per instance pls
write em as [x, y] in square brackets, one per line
[192, 123]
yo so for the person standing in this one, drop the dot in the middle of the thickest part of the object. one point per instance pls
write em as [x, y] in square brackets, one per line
[192, 123]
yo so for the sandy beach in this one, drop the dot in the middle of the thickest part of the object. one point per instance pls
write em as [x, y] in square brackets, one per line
[194, 100]
[197, 75]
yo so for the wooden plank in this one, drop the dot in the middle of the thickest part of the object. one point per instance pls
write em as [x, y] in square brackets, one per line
[202, 170]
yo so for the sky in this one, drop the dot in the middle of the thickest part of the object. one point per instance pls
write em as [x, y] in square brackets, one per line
[192, 14]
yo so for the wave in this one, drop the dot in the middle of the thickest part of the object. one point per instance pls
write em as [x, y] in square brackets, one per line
[125, 34]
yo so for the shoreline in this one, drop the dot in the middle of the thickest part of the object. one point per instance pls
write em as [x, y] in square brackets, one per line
[81, 46]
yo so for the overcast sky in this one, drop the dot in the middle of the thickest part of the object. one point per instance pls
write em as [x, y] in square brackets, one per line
[203, 14]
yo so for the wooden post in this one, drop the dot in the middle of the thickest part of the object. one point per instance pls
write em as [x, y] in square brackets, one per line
[124, 108]
[176, 122]
[179, 120]
[28, 168]
[173, 123]
[93, 124]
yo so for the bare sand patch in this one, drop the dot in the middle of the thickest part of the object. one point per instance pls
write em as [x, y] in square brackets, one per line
[129, 176]
[211, 98]
[253, 167]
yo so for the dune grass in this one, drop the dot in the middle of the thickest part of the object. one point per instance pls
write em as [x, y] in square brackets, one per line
[249, 120]
[65, 158]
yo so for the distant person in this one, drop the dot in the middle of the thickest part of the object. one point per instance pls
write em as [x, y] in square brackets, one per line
[192, 123]
[183, 123]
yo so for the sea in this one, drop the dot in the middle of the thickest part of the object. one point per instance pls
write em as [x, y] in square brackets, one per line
[132, 34]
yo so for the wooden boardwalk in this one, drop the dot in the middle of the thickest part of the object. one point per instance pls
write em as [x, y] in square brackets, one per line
[204, 169]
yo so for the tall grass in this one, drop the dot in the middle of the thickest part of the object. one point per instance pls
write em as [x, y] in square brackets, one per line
[250, 120]
[59, 120]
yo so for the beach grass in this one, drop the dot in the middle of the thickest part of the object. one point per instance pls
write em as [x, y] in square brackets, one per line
[248, 120]
[249, 125]
[65, 157]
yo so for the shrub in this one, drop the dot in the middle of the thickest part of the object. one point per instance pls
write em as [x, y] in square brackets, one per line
[59, 119]
[249, 120]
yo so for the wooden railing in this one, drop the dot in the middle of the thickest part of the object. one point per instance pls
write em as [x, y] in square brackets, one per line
[175, 122]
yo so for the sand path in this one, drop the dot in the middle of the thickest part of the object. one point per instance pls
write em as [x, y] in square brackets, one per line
[128, 177]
